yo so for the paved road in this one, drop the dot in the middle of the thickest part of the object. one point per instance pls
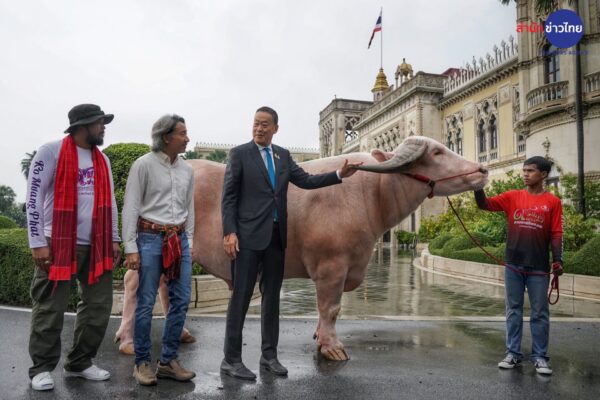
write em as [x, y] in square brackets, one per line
[415, 359]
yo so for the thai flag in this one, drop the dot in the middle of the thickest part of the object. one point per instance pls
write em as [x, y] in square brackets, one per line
[376, 29]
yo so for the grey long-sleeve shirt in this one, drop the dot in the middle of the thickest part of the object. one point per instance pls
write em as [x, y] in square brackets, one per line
[160, 192]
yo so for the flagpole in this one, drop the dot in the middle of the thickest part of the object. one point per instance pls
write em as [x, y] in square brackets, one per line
[381, 36]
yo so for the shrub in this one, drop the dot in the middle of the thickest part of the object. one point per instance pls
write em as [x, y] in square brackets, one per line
[439, 241]
[16, 270]
[577, 231]
[405, 237]
[121, 156]
[16, 267]
[7, 223]
[463, 241]
[586, 260]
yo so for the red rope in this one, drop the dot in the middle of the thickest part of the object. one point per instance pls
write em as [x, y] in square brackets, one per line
[553, 282]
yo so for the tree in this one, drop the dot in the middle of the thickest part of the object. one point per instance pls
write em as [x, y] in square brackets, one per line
[26, 163]
[121, 156]
[192, 155]
[7, 199]
[219, 156]
[541, 6]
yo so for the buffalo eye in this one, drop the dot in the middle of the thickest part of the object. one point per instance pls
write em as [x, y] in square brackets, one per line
[437, 152]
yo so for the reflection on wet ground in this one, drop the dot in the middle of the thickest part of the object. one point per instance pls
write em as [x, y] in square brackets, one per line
[394, 287]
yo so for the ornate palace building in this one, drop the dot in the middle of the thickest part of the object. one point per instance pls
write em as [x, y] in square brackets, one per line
[514, 102]
[299, 154]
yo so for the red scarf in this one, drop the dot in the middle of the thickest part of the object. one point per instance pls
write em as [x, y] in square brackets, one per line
[64, 217]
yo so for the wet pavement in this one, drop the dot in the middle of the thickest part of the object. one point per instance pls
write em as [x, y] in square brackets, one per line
[410, 334]
[389, 360]
[393, 286]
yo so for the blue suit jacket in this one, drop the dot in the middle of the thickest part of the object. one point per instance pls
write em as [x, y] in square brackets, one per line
[249, 199]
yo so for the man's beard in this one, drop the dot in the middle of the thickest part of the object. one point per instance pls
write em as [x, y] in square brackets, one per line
[94, 140]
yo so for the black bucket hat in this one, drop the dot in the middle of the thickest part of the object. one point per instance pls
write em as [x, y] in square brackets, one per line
[84, 114]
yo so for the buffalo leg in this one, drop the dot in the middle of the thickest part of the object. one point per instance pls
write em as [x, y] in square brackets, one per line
[330, 286]
[125, 331]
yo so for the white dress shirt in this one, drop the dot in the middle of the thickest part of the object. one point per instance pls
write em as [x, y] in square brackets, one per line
[160, 192]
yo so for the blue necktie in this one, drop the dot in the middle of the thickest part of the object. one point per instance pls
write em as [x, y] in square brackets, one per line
[270, 166]
[271, 170]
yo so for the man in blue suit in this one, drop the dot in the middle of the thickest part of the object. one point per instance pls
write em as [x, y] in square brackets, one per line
[254, 211]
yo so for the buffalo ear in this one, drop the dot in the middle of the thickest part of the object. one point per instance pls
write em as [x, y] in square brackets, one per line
[381, 156]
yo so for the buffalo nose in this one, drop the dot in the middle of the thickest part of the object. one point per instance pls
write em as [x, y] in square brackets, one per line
[483, 170]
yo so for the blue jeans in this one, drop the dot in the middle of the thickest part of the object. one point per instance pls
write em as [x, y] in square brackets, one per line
[537, 289]
[150, 249]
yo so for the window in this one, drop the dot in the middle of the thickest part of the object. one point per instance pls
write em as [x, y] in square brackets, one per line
[481, 136]
[449, 142]
[552, 64]
[493, 133]
[459, 142]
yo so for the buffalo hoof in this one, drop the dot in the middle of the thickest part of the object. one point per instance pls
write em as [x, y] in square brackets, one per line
[187, 337]
[334, 353]
[127, 349]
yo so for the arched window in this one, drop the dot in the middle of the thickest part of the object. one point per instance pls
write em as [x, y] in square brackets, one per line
[481, 137]
[493, 133]
[551, 64]
[449, 142]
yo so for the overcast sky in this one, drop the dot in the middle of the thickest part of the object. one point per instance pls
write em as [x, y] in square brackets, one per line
[215, 62]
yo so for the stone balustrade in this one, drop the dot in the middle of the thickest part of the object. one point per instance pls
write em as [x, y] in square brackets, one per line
[547, 95]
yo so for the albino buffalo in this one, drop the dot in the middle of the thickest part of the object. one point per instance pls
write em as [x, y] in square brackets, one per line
[332, 231]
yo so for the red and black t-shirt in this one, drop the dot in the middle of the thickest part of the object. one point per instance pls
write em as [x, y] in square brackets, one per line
[534, 222]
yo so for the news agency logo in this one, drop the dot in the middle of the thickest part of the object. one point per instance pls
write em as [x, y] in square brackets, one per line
[563, 28]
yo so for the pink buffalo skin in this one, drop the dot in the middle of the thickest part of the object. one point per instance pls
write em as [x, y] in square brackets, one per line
[332, 231]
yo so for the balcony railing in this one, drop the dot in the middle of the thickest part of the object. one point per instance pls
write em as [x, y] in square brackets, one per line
[351, 146]
[547, 95]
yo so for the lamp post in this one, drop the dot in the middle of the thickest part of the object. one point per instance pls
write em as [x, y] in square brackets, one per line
[579, 124]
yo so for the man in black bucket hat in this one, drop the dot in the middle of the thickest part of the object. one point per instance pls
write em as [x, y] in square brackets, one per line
[72, 231]
[84, 114]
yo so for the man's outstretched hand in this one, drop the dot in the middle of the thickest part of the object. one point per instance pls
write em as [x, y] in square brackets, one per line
[348, 169]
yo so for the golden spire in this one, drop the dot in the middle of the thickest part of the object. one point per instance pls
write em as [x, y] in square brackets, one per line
[381, 84]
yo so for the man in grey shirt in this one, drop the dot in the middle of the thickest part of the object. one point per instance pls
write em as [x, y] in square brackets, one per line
[158, 229]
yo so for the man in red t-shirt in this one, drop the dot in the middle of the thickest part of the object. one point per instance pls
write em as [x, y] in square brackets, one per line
[535, 222]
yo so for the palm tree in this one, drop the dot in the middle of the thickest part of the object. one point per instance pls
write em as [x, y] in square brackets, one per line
[26, 163]
[541, 6]
[544, 7]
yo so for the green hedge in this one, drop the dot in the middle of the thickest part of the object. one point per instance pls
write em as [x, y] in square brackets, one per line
[7, 223]
[440, 241]
[582, 262]
[16, 267]
[463, 241]
[16, 270]
[586, 260]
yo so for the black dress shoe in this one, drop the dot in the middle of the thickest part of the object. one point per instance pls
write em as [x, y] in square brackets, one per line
[237, 370]
[274, 366]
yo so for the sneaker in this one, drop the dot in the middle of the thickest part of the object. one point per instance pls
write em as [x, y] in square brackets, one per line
[174, 370]
[542, 366]
[92, 373]
[42, 381]
[144, 375]
[509, 362]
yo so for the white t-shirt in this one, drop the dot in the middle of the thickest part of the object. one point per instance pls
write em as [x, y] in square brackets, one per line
[40, 195]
